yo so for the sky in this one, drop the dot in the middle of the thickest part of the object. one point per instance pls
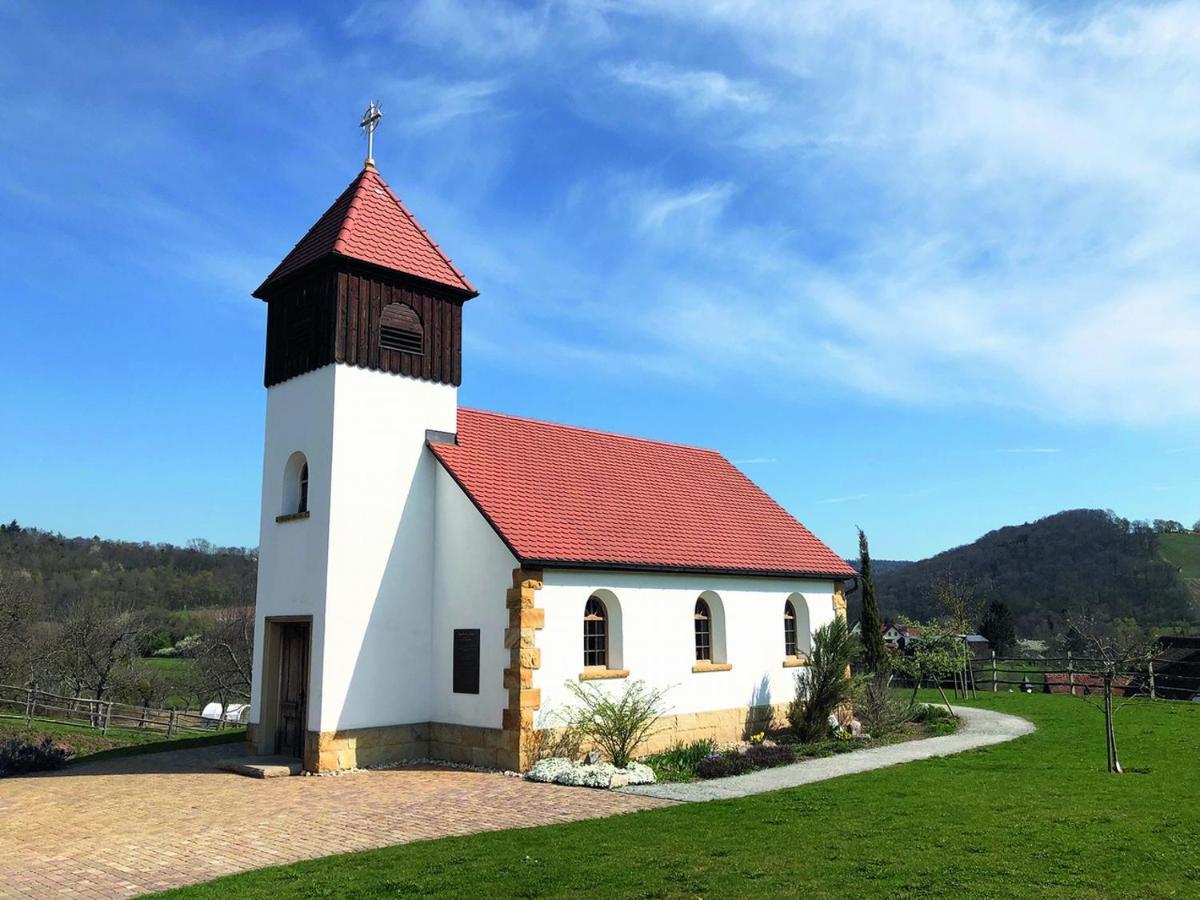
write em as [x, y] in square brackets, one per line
[925, 268]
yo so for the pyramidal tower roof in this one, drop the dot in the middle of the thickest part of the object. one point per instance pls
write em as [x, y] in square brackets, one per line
[368, 223]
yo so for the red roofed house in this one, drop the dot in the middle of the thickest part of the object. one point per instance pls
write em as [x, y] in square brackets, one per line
[430, 577]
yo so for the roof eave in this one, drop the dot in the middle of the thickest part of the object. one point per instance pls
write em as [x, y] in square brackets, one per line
[619, 566]
[275, 282]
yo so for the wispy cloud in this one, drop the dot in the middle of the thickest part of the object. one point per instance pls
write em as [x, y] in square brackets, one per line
[973, 203]
[487, 29]
[755, 461]
[705, 202]
[693, 91]
[849, 498]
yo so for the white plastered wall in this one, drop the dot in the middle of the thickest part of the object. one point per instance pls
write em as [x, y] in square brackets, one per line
[473, 570]
[658, 641]
[292, 555]
[378, 629]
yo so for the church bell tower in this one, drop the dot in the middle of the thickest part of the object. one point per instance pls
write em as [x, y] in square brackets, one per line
[363, 361]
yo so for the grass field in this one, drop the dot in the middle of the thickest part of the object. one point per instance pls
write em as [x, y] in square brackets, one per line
[89, 744]
[179, 673]
[1183, 551]
[1036, 817]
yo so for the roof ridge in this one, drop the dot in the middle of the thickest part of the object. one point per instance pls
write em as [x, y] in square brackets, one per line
[596, 431]
[339, 242]
[425, 234]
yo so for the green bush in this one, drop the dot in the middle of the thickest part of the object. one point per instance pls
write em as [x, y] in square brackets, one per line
[824, 684]
[881, 709]
[928, 712]
[17, 756]
[939, 727]
[616, 723]
[679, 762]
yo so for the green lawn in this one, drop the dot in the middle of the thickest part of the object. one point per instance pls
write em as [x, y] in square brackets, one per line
[179, 673]
[1035, 817]
[89, 744]
[1183, 551]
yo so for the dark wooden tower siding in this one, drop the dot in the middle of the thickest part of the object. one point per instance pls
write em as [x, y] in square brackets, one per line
[334, 316]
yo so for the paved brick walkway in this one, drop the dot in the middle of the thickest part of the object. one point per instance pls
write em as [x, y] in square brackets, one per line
[126, 827]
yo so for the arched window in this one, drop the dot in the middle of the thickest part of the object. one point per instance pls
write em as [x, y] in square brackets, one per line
[703, 619]
[799, 634]
[294, 501]
[790, 647]
[595, 634]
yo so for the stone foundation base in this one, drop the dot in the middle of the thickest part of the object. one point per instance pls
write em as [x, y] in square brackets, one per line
[725, 726]
[494, 748]
[356, 748]
[491, 748]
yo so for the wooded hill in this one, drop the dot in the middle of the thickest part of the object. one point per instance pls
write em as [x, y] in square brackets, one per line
[59, 572]
[1074, 563]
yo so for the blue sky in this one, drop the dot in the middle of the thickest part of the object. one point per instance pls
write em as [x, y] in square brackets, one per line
[926, 268]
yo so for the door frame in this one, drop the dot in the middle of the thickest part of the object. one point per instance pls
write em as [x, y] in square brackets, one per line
[272, 659]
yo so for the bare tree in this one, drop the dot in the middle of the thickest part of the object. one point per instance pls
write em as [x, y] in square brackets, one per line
[1118, 652]
[16, 629]
[92, 643]
[223, 658]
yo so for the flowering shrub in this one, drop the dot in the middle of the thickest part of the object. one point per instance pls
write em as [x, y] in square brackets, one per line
[763, 757]
[736, 762]
[758, 738]
[598, 775]
[722, 765]
[17, 756]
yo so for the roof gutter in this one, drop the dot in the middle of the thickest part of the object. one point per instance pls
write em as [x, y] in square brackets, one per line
[616, 566]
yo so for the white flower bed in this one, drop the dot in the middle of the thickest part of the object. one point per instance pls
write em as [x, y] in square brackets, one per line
[560, 770]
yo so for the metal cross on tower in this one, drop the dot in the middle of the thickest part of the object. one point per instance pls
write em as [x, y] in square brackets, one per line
[370, 121]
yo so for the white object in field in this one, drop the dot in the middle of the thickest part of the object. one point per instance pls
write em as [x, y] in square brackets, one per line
[234, 712]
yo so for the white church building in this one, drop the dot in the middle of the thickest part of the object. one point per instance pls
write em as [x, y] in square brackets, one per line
[431, 577]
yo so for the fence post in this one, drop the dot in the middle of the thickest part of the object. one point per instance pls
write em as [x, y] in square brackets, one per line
[993, 671]
[107, 717]
[1071, 672]
[1150, 667]
[29, 702]
[171, 724]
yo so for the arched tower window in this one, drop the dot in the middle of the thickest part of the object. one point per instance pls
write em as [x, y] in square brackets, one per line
[595, 634]
[295, 486]
[703, 620]
[790, 647]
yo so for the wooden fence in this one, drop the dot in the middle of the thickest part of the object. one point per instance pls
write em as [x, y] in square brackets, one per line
[1163, 677]
[34, 705]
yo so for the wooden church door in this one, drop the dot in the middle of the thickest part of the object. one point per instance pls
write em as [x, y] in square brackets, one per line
[293, 688]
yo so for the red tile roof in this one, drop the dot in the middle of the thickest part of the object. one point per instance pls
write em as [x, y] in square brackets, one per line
[369, 223]
[559, 495]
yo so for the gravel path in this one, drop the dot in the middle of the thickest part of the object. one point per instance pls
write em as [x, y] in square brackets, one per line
[978, 728]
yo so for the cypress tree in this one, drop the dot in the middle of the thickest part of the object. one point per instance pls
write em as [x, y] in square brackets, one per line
[875, 652]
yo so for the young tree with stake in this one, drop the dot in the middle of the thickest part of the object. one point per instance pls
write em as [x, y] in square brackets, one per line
[1117, 650]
